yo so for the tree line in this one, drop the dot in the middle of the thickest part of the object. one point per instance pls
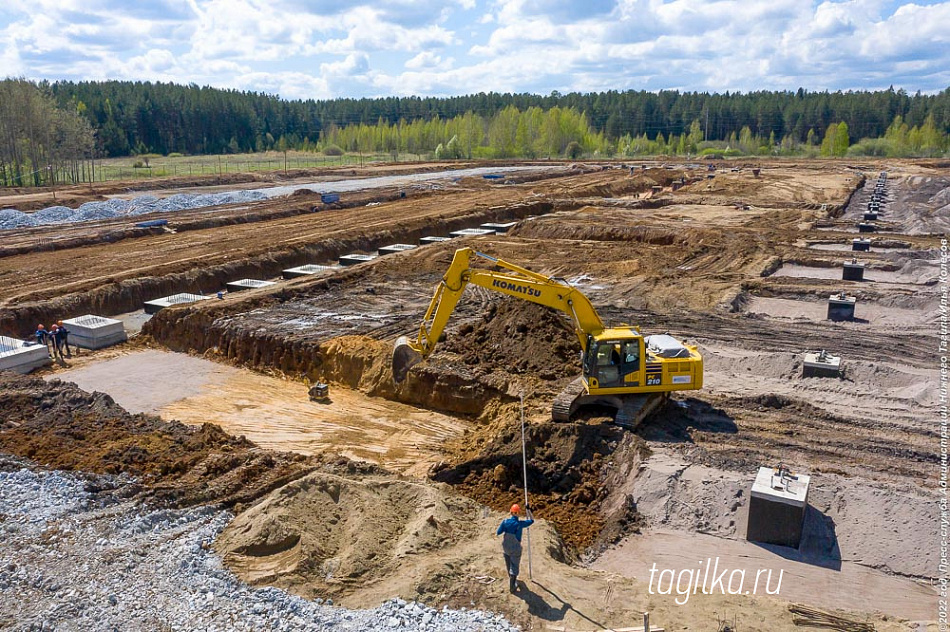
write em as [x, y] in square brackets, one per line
[68, 122]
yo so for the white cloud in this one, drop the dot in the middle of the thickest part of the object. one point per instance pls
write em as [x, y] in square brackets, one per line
[328, 48]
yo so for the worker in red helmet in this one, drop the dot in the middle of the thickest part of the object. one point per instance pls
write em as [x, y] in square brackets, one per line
[510, 529]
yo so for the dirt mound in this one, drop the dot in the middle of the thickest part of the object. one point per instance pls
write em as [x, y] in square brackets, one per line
[567, 468]
[521, 338]
[58, 425]
[325, 532]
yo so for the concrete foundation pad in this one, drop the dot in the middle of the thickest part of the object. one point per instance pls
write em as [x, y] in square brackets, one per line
[22, 357]
[247, 284]
[866, 228]
[432, 239]
[841, 307]
[95, 332]
[394, 248]
[471, 232]
[821, 364]
[499, 228]
[862, 245]
[355, 258]
[853, 271]
[777, 507]
[157, 304]
[307, 270]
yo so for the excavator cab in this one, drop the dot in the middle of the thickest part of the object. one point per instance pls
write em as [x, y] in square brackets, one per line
[614, 362]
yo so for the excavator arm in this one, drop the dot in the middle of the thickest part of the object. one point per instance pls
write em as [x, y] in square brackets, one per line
[512, 280]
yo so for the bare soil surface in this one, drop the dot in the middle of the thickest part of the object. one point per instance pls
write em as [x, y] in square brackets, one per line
[699, 263]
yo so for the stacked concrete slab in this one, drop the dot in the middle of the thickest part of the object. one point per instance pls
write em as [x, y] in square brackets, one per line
[22, 357]
[471, 232]
[354, 258]
[307, 270]
[499, 228]
[154, 306]
[247, 284]
[432, 239]
[394, 248]
[95, 332]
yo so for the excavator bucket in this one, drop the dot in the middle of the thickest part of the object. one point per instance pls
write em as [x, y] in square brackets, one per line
[404, 358]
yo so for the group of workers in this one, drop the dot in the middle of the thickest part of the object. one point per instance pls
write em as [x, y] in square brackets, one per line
[55, 339]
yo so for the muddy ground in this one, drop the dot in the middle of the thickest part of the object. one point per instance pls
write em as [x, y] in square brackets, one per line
[739, 264]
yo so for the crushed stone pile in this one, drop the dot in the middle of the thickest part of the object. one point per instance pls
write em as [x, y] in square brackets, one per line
[108, 209]
[77, 555]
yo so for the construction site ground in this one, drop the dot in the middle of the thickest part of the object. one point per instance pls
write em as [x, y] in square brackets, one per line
[740, 264]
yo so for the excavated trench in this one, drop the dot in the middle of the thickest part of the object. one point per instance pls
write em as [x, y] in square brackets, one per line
[129, 294]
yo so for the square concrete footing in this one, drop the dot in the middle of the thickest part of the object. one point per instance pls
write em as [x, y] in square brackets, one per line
[394, 248]
[95, 332]
[307, 270]
[821, 364]
[355, 258]
[22, 357]
[852, 271]
[862, 245]
[870, 216]
[432, 239]
[866, 228]
[777, 507]
[841, 307]
[247, 284]
[153, 306]
[471, 232]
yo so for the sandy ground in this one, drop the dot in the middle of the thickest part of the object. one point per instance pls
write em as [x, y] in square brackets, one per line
[274, 413]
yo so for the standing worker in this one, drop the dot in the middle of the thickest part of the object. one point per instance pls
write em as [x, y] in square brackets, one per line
[42, 338]
[57, 340]
[64, 335]
[510, 529]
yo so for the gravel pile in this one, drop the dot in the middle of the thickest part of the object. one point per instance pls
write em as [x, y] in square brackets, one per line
[90, 211]
[77, 556]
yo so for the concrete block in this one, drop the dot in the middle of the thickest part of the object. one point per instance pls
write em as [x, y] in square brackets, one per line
[471, 232]
[394, 248]
[432, 239]
[355, 258]
[95, 332]
[821, 364]
[852, 271]
[864, 227]
[22, 357]
[841, 307]
[499, 228]
[861, 244]
[307, 270]
[777, 507]
[153, 306]
[247, 284]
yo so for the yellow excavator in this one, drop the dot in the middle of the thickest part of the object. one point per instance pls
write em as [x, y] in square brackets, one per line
[622, 369]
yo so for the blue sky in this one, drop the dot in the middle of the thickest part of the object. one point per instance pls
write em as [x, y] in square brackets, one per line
[333, 48]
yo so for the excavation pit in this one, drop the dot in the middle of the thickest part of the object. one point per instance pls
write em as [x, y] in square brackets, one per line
[394, 248]
[841, 307]
[22, 357]
[155, 305]
[471, 232]
[777, 507]
[307, 270]
[499, 228]
[247, 284]
[821, 364]
[95, 332]
[852, 271]
[432, 239]
[354, 258]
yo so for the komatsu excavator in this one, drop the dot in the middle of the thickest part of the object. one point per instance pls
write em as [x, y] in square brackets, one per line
[622, 369]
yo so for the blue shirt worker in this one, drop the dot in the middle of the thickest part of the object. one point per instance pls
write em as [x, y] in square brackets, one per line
[42, 337]
[510, 529]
